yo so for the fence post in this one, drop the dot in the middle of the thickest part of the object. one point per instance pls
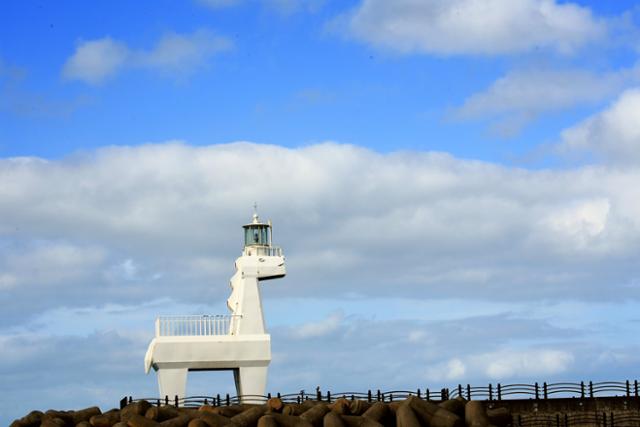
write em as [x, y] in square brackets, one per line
[369, 396]
[545, 390]
[590, 388]
[218, 400]
[176, 400]
[123, 402]
[130, 399]
[391, 397]
[460, 390]
[329, 396]
[499, 392]
[468, 392]
[419, 396]
[166, 400]
[628, 389]
[635, 385]
[443, 394]
[318, 395]
[537, 389]
[378, 395]
[278, 395]
[158, 403]
[490, 392]
[429, 397]
[582, 389]
[228, 400]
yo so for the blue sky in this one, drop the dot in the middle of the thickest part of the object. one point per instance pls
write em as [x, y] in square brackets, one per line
[458, 180]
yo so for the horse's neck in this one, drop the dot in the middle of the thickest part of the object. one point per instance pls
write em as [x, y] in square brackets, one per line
[246, 304]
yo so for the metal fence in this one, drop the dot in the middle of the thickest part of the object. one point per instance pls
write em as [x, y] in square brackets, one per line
[198, 325]
[546, 390]
[490, 392]
[596, 419]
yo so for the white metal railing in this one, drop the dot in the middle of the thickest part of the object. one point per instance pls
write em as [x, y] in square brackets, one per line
[200, 325]
[264, 250]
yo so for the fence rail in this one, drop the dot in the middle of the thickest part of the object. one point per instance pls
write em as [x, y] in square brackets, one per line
[490, 392]
[264, 250]
[199, 325]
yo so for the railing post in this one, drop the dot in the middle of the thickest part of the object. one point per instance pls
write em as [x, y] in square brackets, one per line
[428, 397]
[582, 389]
[537, 389]
[635, 385]
[328, 396]
[419, 397]
[545, 390]
[468, 392]
[590, 388]
[490, 392]
[228, 400]
[378, 395]
[176, 400]
[369, 396]
[499, 392]
[460, 390]
[166, 400]
[628, 389]
[218, 400]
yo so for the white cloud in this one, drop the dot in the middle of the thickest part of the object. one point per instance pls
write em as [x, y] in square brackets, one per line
[612, 134]
[321, 328]
[476, 27]
[451, 370]
[522, 95]
[96, 60]
[47, 264]
[524, 364]
[407, 225]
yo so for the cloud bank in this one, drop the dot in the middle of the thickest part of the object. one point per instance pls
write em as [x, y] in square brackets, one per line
[129, 222]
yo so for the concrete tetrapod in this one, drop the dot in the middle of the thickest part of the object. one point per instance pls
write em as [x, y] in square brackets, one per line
[475, 414]
[315, 415]
[454, 405]
[433, 415]
[378, 412]
[406, 417]
[281, 420]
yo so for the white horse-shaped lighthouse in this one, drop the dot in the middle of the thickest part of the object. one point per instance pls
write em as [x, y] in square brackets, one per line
[237, 342]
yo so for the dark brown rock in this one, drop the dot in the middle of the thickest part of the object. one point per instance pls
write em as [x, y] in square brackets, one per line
[315, 415]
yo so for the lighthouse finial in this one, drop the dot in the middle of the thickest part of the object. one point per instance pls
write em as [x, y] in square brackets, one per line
[255, 213]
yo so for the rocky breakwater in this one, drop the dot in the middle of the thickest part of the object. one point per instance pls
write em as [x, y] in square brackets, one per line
[412, 412]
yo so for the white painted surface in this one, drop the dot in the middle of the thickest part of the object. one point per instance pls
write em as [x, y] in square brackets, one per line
[238, 342]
